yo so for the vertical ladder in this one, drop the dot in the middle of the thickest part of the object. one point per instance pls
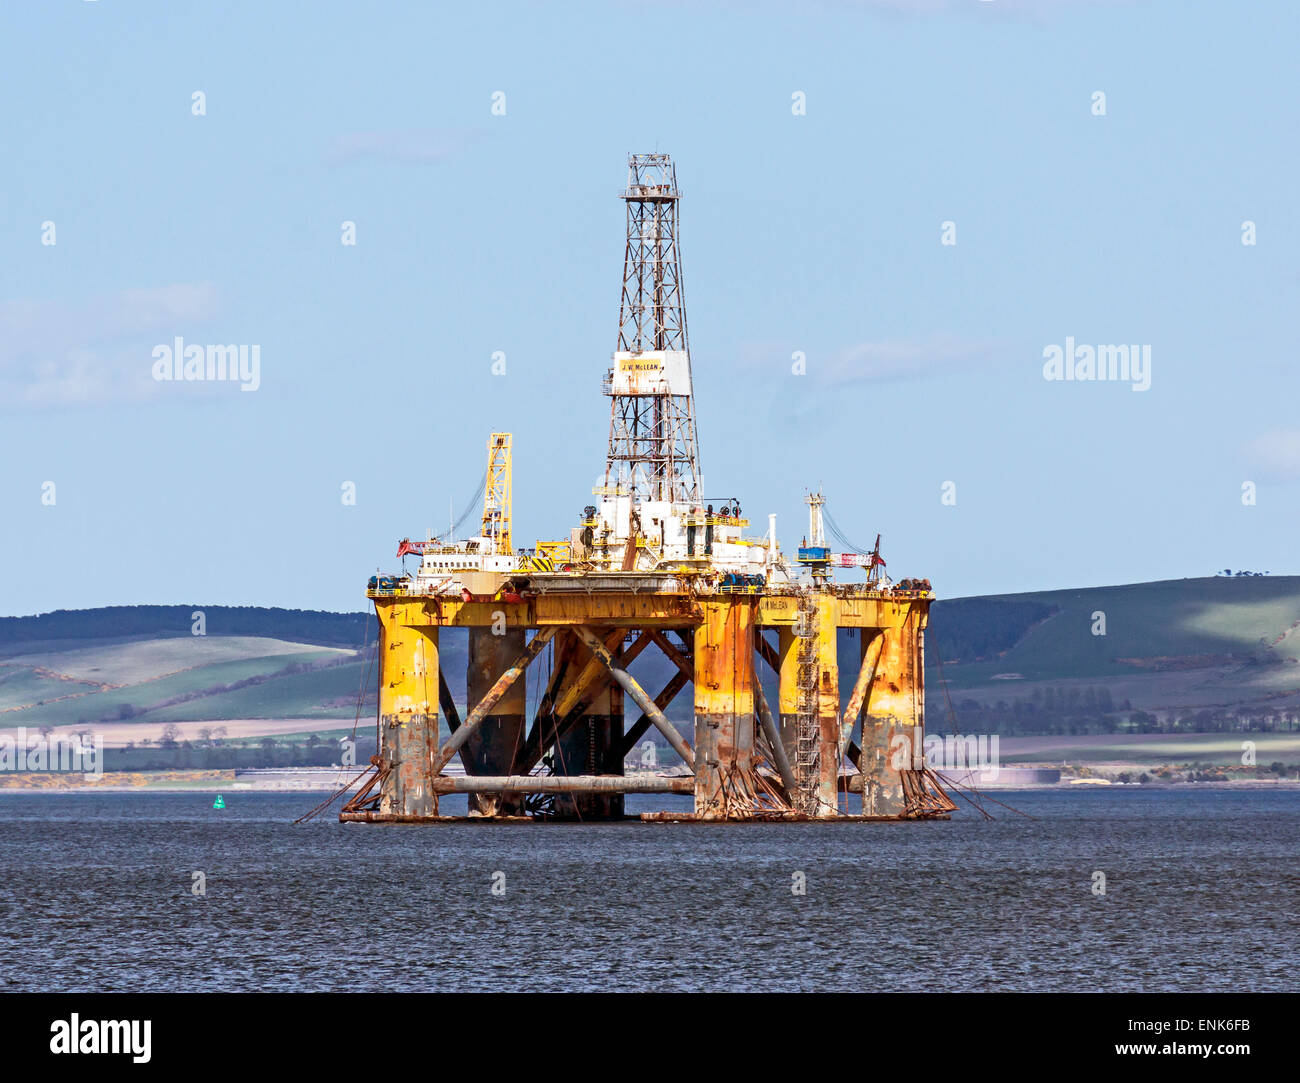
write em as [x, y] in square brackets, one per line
[807, 767]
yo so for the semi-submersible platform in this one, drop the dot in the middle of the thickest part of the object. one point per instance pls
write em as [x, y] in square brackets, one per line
[651, 565]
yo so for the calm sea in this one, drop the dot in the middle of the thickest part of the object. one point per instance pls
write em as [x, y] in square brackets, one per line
[1200, 894]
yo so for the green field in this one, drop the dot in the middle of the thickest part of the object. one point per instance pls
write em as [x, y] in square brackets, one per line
[296, 695]
[21, 686]
[1214, 617]
[138, 667]
[134, 661]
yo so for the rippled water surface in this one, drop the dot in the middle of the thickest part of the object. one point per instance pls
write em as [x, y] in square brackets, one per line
[1201, 892]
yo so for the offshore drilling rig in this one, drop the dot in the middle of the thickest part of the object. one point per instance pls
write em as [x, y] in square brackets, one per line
[651, 565]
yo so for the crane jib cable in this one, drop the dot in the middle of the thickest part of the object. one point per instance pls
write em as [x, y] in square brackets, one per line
[839, 535]
[469, 508]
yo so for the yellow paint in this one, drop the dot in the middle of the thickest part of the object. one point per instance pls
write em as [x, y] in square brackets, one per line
[787, 653]
[497, 497]
[576, 687]
[724, 660]
[724, 626]
[409, 669]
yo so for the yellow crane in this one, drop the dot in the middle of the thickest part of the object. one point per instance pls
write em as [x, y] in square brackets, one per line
[496, 494]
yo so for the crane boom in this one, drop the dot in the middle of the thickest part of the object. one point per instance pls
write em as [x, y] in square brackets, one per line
[497, 495]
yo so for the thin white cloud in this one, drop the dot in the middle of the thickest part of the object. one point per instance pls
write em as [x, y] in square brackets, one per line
[1276, 453]
[416, 147]
[901, 359]
[149, 310]
[56, 354]
[810, 402]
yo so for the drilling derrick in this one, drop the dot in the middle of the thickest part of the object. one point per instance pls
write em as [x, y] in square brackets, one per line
[652, 568]
[653, 453]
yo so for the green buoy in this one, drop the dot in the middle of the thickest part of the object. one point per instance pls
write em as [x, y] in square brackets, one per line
[218, 803]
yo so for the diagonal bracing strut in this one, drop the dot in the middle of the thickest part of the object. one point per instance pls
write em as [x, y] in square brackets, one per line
[638, 694]
[484, 707]
[869, 662]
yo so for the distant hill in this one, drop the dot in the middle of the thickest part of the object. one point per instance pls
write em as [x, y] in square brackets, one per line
[1188, 621]
[142, 663]
[117, 621]
[1184, 651]
[1011, 663]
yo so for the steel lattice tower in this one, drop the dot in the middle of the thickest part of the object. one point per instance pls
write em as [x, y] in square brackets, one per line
[653, 452]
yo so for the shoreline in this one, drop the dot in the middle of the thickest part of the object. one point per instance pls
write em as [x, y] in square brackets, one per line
[221, 787]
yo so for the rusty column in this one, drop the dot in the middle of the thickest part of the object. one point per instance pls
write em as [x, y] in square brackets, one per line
[893, 725]
[583, 750]
[610, 739]
[408, 718]
[588, 747]
[602, 725]
[571, 752]
[492, 749]
[724, 708]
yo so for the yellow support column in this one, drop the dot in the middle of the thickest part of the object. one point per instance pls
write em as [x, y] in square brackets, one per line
[787, 653]
[408, 715]
[724, 709]
[893, 724]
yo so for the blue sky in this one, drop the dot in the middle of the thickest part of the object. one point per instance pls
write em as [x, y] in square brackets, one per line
[476, 233]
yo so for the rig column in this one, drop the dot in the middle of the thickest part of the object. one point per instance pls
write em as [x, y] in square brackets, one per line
[893, 723]
[609, 738]
[724, 709]
[408, 717]
[584, 747]
[787, 653]
[493, 749]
